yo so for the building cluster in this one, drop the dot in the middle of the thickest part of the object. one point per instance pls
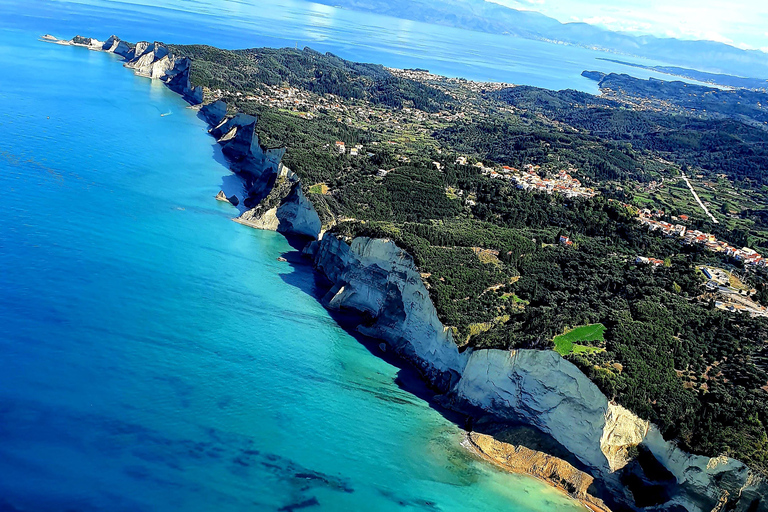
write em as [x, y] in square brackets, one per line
[641, 260]
[711, 243]
[730, 298]
[341, 148]
[527, 179]
[708, 240]
[667, 228]
[424, 76]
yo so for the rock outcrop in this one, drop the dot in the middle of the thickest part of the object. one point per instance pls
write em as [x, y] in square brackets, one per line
[150, 59]
[523, 460]
[214, 113]
[114, 45]
[221, 196]
[88, 42]
[285, 209]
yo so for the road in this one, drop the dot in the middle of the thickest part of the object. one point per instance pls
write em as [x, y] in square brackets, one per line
[698, 200]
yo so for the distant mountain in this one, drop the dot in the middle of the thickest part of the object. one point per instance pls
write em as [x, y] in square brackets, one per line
[483, 16]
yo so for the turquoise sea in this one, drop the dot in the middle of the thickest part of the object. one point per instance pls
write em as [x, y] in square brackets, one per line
[155, 355]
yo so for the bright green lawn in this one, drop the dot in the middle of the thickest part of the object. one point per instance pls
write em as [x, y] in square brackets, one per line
[568, 342]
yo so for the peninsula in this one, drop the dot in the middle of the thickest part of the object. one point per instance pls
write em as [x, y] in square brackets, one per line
[477, 227]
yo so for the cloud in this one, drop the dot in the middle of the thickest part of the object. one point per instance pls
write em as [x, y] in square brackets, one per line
[736, 24]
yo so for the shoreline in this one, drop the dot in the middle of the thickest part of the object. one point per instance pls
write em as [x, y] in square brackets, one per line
[589, 502]
[428, 357]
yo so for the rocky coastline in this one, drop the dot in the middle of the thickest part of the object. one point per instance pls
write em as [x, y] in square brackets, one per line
[624, 458]
[552, 470]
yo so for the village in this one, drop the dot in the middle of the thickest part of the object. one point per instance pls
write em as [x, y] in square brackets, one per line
[528, 179]
[693, 236]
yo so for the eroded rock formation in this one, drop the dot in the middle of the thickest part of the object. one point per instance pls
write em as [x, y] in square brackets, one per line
[520, 459]
[114, 45]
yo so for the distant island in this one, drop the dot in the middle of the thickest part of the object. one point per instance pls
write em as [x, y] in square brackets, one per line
[712, 78]
[538, 256]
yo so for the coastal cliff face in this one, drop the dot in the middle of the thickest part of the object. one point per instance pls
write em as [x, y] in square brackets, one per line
[285, 209]
[276, 200]
[381, 282]
[114, 45]
[214, 113]
[540, 388]
[152, 60]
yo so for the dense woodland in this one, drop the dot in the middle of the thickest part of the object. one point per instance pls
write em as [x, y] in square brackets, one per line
[493, 265]
[310, 70]
[718, 144]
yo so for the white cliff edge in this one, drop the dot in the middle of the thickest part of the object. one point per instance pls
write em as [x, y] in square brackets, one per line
[540, 388]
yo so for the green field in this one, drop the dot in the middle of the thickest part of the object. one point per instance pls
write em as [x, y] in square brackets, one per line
[567, 342]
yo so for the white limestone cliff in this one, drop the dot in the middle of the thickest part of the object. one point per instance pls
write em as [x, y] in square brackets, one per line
[380, 279]
[286, 209]
[540, 388]
[214, 113]
[150, 59]
[114, 45]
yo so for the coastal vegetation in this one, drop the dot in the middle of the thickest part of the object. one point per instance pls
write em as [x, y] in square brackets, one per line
[512, 268]
[572, 340]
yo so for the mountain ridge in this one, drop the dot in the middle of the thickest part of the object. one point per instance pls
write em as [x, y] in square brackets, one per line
[484, 16]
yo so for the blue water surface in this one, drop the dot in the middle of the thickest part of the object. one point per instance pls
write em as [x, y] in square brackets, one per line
[155, 355]
[353, 35]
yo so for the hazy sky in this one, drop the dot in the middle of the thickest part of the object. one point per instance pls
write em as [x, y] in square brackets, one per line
[740, 23]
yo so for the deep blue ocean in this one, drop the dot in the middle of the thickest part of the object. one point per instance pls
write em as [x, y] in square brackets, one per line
[155, 355]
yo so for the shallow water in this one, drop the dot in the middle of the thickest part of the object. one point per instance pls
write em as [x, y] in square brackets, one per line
[155, 356]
